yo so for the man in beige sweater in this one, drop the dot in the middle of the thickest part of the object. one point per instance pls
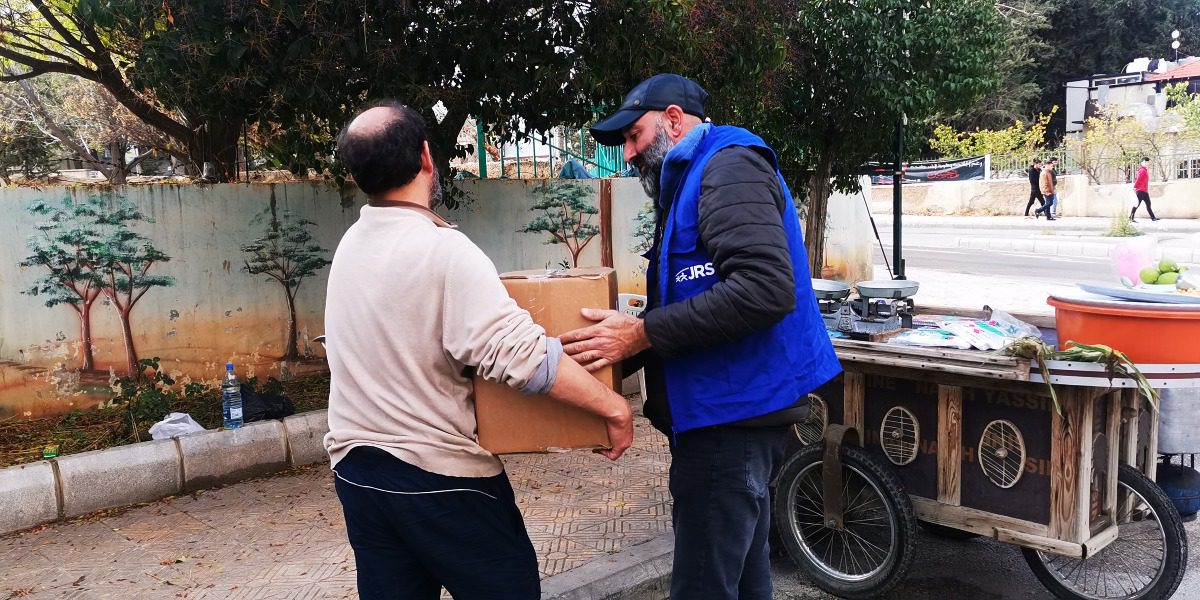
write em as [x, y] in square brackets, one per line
[413, 309]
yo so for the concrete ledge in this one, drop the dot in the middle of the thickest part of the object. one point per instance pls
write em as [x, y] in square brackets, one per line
[118, 476]
[1023, 246]
[29, 495]
[1045, 247]
[642, 572]
[306, 437]
[1070, 249]
[225, 455]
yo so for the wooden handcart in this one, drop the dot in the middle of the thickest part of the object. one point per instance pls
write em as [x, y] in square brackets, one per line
[970, 443]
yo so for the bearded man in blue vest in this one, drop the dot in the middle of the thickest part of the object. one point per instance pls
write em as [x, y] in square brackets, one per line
[731, 340]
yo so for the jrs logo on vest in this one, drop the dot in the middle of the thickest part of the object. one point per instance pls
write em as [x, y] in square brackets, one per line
[695, 272]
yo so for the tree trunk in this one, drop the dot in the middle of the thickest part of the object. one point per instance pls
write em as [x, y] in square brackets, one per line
[216, 142]
[87, 362]
[130, 353]
[292, 352]
[819, 189]
[116, 148]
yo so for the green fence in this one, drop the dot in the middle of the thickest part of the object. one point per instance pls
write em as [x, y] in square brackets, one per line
[551, 150]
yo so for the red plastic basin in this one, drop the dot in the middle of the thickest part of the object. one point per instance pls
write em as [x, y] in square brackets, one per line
[1151, 335]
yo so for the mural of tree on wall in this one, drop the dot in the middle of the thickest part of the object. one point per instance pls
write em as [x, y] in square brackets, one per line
[89, 249]
[126, 258]
[67, 245]
[643, 231]
[287, 254]
[566, 216]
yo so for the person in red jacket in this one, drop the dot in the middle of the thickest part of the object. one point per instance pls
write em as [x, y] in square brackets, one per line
[1141, 187]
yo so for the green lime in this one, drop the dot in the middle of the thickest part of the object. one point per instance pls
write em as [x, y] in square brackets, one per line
[1167, 278]
[1167, 265]
[1149, 275]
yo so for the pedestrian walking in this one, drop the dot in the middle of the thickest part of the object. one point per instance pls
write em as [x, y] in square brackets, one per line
[731, 339]
[1035, 192]
[1141, 189]
[1046, 184]
[413, 307]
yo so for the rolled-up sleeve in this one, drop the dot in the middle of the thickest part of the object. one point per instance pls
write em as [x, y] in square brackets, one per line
[485, 329]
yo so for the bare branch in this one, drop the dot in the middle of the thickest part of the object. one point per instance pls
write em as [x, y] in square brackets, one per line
[67, 39]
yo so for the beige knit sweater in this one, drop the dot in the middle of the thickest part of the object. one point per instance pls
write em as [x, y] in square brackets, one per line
[410, 305]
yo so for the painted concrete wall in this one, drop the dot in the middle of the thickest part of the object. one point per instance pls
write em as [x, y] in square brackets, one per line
[215, 312]
[849, 239]
[1178, 199]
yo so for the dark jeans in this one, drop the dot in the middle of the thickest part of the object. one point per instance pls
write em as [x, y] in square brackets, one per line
[1048, 207]
[1034, 196]
[722, 511]
[414, 532]
[1143, 198]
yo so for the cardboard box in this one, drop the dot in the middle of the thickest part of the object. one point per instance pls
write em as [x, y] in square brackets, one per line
[510, 422]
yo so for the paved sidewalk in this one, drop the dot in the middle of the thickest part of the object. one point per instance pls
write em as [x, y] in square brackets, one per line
[1067, 237]
[1064, 225]
[284, 537]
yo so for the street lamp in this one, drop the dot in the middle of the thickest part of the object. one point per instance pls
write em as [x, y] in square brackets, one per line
[1175, 43]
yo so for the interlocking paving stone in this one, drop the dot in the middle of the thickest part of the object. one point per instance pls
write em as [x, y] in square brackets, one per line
[284, 537]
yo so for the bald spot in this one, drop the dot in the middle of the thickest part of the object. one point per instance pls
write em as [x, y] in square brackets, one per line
[372, 122]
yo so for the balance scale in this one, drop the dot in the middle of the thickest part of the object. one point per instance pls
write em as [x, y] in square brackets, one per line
[880, 307]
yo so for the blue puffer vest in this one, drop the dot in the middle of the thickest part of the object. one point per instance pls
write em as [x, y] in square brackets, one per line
[756, 375]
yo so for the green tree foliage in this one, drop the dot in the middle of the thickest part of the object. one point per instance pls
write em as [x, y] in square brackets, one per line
[24, 149]
[855, 69]
[67, 247]
[287, 254]
[566, 215]
[1020, 139]
[1024, 22]
[822, 81]
[1187, 107]
[204, 72]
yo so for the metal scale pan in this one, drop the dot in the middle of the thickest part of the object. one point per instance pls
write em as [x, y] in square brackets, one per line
[826, 289]
[887, 288]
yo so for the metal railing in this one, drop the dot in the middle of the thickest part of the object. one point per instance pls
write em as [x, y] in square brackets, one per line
[1101, 169]
[548, 151]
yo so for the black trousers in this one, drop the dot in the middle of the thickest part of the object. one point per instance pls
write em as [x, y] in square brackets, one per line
[1142, 197]
[721, 511]
[414, 532]
[1034, 196]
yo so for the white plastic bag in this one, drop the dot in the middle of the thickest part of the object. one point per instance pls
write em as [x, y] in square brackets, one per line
[175, 425]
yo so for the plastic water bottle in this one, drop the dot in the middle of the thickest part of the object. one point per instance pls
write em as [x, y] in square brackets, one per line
[231, 399]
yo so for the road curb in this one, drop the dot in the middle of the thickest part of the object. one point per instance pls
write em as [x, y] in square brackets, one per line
[78, 484]
[1068, 249]
[642, 572]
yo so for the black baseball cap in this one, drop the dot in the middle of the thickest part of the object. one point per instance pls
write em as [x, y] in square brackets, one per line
[655, 93]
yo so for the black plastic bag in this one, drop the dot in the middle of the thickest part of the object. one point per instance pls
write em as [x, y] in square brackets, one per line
[259, 407]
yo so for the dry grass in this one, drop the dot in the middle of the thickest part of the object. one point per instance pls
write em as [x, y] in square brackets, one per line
[22, 441]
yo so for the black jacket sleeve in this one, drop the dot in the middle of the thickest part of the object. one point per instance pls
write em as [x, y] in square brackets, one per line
[741, 227]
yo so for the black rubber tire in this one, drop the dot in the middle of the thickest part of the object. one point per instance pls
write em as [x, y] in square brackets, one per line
[859, 465]
[946, 533]
[1174, 536]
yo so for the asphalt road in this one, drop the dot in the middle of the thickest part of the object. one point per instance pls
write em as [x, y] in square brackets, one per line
[1054, 269]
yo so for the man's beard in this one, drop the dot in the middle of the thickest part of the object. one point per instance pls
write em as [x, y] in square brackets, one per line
[649, 162]
[435, 189]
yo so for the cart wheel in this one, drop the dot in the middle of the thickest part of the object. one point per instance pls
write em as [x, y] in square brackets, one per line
[1146, 561]
[946, 533]
[874, 550]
